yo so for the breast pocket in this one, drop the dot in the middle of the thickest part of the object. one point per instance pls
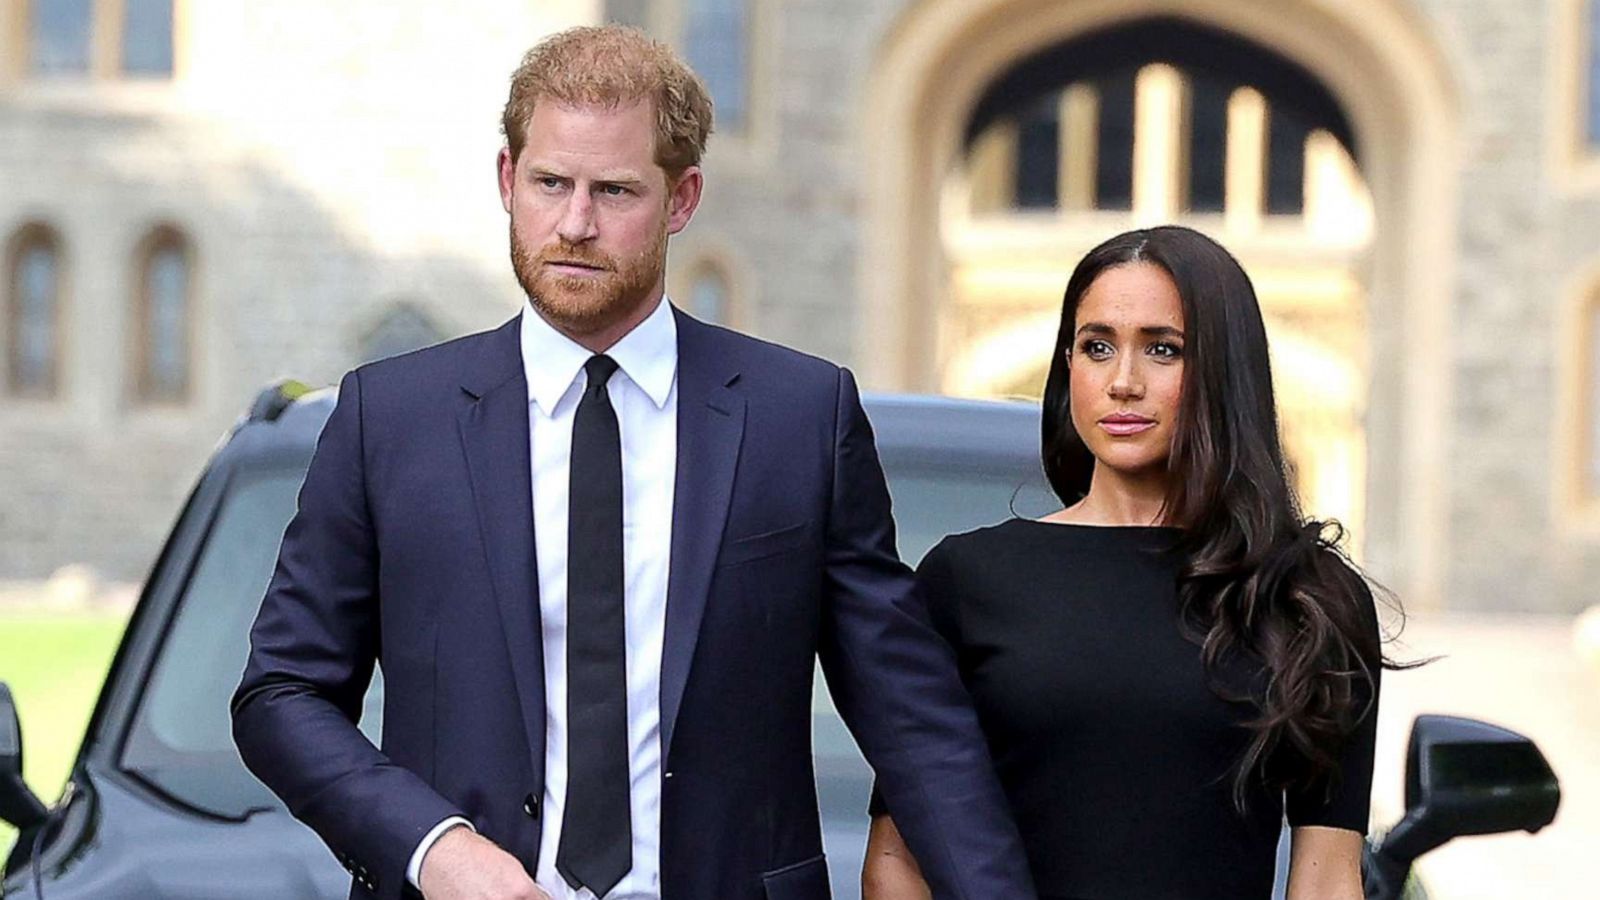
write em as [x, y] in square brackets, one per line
[764, 545]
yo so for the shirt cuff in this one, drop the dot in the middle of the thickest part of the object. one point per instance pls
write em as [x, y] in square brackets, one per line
[414, 868]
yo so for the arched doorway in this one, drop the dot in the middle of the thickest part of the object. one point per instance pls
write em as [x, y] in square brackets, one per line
[931, 76]
[1167, 120]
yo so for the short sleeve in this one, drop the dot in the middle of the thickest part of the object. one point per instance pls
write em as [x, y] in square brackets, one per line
[1348, 802]
[935, 589]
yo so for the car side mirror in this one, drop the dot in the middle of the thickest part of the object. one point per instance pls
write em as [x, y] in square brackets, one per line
[1464, 777]
[18, 805]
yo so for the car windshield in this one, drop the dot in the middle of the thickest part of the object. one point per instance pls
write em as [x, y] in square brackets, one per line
[181, 740]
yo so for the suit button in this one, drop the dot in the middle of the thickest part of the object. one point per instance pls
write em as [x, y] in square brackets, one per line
[530, 805]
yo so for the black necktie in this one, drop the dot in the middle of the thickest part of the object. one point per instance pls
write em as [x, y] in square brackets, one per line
[596, 847]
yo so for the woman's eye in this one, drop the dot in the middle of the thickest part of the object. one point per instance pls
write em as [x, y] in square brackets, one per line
[1094, 348]
[1166, 350]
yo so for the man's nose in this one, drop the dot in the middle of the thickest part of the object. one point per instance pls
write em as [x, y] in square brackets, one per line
[577, 220]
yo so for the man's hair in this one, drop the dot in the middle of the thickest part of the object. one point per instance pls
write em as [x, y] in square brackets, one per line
[614, 65]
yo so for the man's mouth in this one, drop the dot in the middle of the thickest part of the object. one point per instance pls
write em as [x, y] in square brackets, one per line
[573, 266]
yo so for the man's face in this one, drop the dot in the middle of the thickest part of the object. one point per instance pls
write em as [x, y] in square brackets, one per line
[590, 215]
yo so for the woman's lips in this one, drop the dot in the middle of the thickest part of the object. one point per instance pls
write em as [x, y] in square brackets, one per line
[1123, 426]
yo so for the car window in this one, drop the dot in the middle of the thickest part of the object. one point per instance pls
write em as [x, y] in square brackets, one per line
[931, 501]
[181, 738]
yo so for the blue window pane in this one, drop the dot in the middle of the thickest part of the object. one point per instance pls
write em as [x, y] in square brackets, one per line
[34, 339]
[167, 355]
[1594, 73]
[60, 39]
[716, 42]
[147, 36]
[708, 298]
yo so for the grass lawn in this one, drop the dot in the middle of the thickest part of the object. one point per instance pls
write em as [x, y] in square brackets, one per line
[54, 664]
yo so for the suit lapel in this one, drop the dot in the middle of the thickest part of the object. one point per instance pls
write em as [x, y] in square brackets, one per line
[494, 436]
[710, 430]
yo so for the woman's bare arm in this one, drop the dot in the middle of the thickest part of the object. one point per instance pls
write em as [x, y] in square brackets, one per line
[890, 872]
[1324, 864]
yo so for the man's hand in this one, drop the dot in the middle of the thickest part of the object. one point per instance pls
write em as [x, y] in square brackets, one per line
[463, 865]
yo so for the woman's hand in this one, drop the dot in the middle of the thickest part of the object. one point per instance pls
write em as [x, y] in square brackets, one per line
[890, 872]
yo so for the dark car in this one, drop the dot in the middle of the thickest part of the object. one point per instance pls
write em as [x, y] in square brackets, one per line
[159, 805]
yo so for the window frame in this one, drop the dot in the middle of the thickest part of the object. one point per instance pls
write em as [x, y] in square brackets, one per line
[142, 391]
[1574, 159]
[23, 238]
[754, 144]
[720, 259]
[106, 37]
[1576, 494]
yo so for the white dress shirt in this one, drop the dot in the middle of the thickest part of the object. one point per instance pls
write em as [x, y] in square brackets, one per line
[644, 393]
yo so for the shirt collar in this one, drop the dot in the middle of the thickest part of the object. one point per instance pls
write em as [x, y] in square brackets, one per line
[648, 355]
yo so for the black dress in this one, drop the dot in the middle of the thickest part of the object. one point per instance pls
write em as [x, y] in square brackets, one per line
[1115, 752]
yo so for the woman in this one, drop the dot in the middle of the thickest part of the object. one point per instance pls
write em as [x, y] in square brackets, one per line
[1171, 664]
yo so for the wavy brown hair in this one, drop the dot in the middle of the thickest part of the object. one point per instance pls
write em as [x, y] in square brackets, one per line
[611, 65]
[1258, 578]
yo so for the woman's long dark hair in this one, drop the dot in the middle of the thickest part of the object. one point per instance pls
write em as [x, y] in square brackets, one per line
[1258, 578]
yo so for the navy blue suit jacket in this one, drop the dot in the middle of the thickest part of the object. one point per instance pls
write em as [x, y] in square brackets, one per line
[413, 548]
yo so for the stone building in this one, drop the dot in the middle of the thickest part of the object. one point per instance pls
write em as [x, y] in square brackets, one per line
[902, 185]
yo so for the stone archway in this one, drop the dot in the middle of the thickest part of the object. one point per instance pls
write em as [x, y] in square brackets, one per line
[1392, 82]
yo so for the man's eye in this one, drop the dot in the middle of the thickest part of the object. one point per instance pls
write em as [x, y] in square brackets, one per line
[614, 190]
[550, 182]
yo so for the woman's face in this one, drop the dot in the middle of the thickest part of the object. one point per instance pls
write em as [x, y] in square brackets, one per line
[1126, 367]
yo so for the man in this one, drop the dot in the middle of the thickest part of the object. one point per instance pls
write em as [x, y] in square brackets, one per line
[597, 551]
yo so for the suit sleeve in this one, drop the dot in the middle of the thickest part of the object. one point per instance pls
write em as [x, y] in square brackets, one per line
[312, 652]
[895, 683]
[937, 593]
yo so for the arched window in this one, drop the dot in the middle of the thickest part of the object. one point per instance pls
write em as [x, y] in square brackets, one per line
[710, 296]
[33, 312]
[402, 328]
[163, 318]
[716, 42]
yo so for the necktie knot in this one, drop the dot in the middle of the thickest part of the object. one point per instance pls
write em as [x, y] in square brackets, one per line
[599, 368]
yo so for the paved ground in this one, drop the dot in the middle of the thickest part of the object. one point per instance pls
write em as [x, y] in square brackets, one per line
[1524, 673]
